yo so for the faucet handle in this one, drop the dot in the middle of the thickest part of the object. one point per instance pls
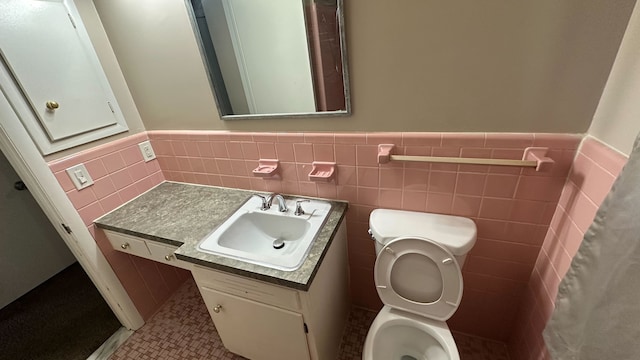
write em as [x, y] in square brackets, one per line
[299, 211]
[265, 202]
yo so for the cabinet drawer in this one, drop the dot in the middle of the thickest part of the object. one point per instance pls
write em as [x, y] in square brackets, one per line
[247, 288]
[127, 243]
[165, 254]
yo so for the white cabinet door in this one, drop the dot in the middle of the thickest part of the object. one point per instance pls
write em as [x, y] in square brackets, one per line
[52, 60]
[255, 330]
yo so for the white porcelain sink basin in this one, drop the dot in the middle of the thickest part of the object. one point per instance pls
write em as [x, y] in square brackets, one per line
[269, 238]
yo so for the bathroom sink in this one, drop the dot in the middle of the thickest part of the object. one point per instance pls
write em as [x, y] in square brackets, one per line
[278, 240]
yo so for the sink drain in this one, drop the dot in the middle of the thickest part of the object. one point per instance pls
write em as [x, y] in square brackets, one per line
[278, 244]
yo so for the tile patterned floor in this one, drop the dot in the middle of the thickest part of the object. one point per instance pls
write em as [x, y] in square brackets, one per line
[182, 329]
[474, 348]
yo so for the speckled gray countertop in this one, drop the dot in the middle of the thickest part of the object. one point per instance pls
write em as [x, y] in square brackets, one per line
[183, 214]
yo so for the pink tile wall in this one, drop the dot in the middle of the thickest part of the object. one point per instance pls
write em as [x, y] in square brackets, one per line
[511, 206]
[119, 175]
[594, 170]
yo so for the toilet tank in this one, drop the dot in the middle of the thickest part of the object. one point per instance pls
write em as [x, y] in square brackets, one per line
[455, 233]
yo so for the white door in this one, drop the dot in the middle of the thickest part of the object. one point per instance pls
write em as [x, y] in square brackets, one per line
[255, 330]
[46, 49]
[270, 43]
[31, 251]
[17, 145]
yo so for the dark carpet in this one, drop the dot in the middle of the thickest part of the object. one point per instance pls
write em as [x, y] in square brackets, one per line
[65, 318]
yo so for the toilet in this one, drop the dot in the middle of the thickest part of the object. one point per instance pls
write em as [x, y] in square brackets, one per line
[418, 278]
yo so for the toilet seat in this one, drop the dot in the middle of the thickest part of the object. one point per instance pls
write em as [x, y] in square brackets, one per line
[406, 262]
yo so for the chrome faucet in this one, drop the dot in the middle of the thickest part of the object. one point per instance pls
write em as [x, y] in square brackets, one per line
[267, 201]
[299, 210]
[265, 205]
[282, 205]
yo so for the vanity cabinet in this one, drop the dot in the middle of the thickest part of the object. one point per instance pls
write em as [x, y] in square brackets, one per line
[256, 330]
[259, 312]
[147, 249]
[264, 321]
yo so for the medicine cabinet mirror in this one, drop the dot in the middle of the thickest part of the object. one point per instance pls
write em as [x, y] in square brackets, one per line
[274, 58]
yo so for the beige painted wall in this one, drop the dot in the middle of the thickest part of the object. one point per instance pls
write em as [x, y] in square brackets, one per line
[416, 65]
[111, 68]
[617, 119]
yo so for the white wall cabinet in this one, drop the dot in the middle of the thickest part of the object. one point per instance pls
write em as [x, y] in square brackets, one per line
[52, 75]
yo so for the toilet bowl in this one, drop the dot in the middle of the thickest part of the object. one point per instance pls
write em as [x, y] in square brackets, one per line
[418, 278]
[395, 335]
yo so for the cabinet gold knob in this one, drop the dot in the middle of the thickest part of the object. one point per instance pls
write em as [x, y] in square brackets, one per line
[168, 257]
[217, 308]
[52, 105]
[125, 246]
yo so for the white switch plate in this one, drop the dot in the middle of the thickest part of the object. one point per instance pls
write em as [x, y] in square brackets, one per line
[147, 151]
[80, 176]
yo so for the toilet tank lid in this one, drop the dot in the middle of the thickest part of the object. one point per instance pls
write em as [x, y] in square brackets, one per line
[457, 234]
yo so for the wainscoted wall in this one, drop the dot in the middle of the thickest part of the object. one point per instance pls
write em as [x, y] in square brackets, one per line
[595, 168]
[120, 174]
[511, 206]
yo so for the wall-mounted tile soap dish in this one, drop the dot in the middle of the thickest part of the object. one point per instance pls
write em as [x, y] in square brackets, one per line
[322, 171]
[266, 168]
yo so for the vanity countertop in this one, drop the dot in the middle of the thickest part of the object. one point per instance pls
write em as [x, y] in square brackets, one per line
[182, 214]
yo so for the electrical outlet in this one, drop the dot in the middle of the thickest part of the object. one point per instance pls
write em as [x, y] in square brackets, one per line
[147, 151]
[79, 176]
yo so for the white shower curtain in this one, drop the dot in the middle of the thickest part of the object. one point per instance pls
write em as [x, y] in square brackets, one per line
[597, 314]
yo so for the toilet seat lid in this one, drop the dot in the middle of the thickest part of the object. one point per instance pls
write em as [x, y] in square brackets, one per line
[419, 276]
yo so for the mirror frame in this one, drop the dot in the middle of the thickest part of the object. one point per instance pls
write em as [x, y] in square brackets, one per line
[345, 74]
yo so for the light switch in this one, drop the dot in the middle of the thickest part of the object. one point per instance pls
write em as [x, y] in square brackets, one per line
[80, 176]
[147, 151]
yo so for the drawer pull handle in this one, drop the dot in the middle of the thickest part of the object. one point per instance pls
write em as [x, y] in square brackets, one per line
[217, 308]
[125, 246]
[168, 257]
